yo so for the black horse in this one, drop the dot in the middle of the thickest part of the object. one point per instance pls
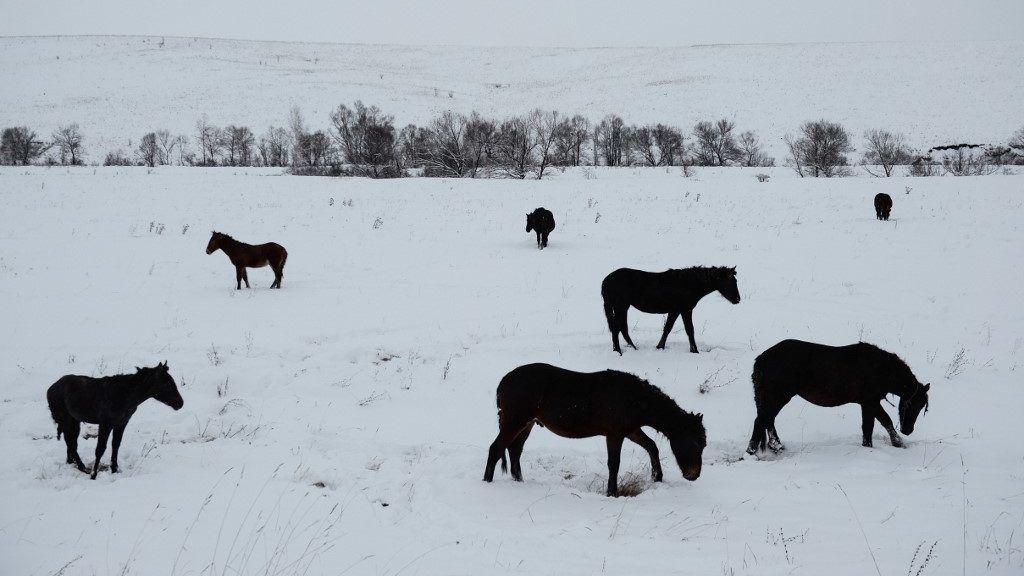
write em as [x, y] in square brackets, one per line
[578, 405]
[883, 205]
[831, 376]
[543, 222]
[673, 292]
[109, 402]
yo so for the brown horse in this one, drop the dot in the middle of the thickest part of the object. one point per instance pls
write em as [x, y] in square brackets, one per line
[578, 405]
[883, 206]
[244, 256]
[832, 376]
[110, 402]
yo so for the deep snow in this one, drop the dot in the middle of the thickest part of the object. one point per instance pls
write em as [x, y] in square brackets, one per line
[340, 425]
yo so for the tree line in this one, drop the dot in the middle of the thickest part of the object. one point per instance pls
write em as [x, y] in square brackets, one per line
[364, 141]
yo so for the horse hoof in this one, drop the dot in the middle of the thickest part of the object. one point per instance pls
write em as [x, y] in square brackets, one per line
[660, 347]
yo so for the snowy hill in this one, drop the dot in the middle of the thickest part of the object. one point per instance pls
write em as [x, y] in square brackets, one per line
[118, 88]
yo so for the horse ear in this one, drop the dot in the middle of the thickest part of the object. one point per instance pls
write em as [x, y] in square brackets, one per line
[137, 369]
[927, 386]
[700, 416]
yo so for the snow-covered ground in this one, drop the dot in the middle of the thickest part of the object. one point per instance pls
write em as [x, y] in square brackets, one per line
[340, 425]
[119, 88]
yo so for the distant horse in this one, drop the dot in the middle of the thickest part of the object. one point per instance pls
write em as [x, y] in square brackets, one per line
[578, 405]
[831, 376]
[883, 205]
[673, 292]
[543, 222]
[109, 402]
[244, 256]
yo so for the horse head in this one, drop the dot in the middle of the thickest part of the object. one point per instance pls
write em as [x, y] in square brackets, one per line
[162, 385]
[214, 243]
[688, 445]
[727, 286]
[529, 222]
[911, 405]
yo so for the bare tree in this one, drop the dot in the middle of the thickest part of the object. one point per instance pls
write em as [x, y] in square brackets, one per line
[166, 143]
[515, 146]
[299, 136]
[239, 144]
[211, 142]
[714, 144]
[21, 146]
[481, 139]
[658, 145]
[884, 149]
[570, 136]
[148, 151]
[545, 129]
[68, 140]
[444, 152]
[274, 147]
[314, 149]
[611, 138]
[820, 150]
[749, 151]
[367, 139]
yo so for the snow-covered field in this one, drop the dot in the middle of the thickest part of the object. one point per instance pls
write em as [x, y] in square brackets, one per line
[119, 88]
[340, 425]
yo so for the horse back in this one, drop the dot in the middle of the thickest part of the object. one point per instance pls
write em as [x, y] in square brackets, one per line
[822, 374]
[651, 292]
[77, 396]
[570, 404]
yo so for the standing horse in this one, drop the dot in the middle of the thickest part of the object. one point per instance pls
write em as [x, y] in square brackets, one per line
[109, 402]
[831, 376]
[577, 405]
[543, 221]
[883, 205]
[244, 256]
[673, 292]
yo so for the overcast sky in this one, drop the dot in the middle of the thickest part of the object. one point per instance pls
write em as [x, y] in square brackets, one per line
[527, 22]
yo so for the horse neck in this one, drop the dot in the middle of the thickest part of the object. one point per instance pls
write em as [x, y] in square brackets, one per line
[134, 390]
[666, 419]
[229, 245]
[699, 285]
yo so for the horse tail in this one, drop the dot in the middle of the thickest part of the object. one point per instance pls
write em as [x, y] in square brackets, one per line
[609, 314]
[52, 402]
[284, 258]
[504, 463]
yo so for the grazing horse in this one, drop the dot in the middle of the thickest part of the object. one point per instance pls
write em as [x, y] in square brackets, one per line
[109, 402]
[543, 222]
[244, 256]
[883, 205]
[577, 405]
[673, 292]
[831, 376]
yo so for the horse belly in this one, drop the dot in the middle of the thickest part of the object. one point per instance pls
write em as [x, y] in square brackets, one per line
[827, 395]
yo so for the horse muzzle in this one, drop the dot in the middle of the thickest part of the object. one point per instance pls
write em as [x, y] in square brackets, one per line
[692, 474]
[906, 430]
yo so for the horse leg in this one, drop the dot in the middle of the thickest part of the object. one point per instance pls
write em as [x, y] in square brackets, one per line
[645, 442]
[621, 316]
[688, 324]
[867, 425]
[278, 274]
[544, 240]
[115, 444]
[768, 420]
[669, 322]
[101, 447]
[614, 453]
[538, 238]
[515, 450]
[886, 423]
[239, 271]
[506, 435]
[613, 326]
[245, 276]
[72, 428]
[759, 437]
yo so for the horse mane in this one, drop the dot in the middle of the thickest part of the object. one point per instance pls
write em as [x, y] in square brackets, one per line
[226, 236]
[661, 404]
[896, 362]
[704, 274]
